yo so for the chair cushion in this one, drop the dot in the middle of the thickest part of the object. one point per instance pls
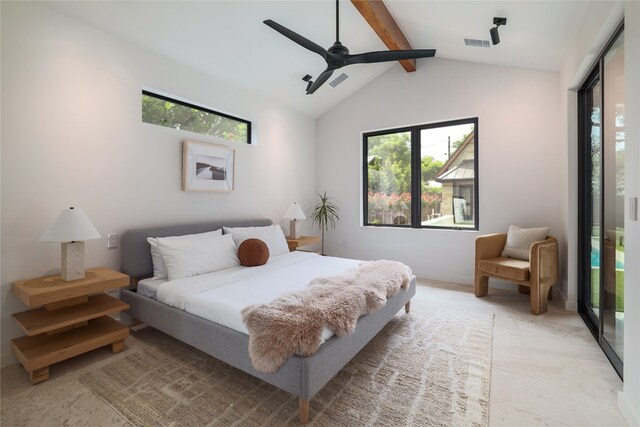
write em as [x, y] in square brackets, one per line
[519, 241]
[509, 268]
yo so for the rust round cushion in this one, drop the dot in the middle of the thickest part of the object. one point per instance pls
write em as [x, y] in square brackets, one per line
[253, 252]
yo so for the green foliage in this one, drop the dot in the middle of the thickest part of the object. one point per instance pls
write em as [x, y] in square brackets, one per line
[390, 163]
[595, 289]
[389, 169]
[164, 113]
[429, 169]
[456, 144]
[432, 190]
[325, 214]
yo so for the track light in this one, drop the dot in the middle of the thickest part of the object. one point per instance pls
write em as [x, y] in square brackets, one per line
[495, 37]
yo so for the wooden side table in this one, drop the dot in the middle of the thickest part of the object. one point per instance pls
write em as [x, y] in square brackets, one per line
[302, 241]
[72, 319]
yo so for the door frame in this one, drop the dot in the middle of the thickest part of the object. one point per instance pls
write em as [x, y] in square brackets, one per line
[594, 324]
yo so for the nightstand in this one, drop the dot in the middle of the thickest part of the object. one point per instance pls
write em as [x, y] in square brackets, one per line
[302, 241]
[72, 319]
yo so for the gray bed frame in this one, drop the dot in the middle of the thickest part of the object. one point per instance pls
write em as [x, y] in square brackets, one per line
[301, 376]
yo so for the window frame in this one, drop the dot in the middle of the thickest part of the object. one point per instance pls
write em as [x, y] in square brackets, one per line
[416, 176]
[203, 109]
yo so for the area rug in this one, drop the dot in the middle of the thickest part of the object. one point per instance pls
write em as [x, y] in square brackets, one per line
[420, 370]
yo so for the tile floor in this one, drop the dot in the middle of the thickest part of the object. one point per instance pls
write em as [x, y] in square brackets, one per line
[546, 371]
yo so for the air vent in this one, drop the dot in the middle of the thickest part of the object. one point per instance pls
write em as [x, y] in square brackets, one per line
[477, 43]
[335, 82]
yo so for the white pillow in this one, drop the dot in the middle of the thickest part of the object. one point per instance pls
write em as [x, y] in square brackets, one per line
[190, 257]
[519, 241]
[272, 235]
[159, 269]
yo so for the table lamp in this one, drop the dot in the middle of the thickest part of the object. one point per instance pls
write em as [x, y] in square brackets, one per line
[71, 226]
[294, 213]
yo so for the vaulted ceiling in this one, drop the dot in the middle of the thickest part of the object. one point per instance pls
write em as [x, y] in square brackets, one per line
[228, 40]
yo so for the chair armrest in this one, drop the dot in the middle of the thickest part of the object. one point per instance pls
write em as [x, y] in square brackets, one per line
[490, 245]
[543, 260]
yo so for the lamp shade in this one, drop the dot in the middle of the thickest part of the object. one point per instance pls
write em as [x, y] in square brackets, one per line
[70, 226]
[294, 212]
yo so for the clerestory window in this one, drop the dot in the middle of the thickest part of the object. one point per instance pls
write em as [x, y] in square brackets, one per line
[165, 111]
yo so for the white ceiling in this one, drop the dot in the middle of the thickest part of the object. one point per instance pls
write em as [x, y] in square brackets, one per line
[228, 40]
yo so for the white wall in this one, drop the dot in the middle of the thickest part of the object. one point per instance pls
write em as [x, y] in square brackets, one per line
[72, 136]
[519, 157]
[597, 27]
[599, 24]
[629, 400]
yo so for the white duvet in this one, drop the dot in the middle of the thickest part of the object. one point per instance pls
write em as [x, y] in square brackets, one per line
[220, 296]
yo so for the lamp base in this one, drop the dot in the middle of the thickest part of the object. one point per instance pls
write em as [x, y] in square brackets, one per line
[292, 229]
[72, 261]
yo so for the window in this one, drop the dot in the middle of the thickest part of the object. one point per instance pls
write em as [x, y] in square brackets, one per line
[164, 111]
[423, 176]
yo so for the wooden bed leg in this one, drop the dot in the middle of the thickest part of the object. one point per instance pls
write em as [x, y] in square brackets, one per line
[407, 307]
[303, 410]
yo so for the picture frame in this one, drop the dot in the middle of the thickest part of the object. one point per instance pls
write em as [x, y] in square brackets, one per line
[207, 167]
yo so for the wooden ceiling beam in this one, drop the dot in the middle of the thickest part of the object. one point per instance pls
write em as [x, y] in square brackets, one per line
[379, 18]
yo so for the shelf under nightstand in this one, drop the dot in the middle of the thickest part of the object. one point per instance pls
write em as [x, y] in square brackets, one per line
[72, 318]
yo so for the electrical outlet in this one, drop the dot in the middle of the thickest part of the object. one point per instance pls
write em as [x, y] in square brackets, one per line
[112, 240]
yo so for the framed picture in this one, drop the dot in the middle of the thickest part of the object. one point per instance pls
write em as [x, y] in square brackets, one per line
[207, 167]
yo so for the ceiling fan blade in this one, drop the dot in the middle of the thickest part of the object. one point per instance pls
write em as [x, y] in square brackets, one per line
[388, 55]
[297, 38]
[320, 80]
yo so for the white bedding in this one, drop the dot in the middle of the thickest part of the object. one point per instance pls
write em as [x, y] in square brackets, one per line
[149, 287]
[220, 296]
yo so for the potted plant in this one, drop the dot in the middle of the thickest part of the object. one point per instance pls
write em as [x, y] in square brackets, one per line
[324, 214]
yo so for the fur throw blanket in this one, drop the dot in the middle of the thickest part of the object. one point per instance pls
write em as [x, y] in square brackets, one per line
[293, 323]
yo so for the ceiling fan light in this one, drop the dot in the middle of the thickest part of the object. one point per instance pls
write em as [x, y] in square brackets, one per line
[338, 56]
[495, 37]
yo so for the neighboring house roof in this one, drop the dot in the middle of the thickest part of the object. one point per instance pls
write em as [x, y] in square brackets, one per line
[458, 167]
[463, 171]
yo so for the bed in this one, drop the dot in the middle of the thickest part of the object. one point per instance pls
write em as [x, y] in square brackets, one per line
[301, 376]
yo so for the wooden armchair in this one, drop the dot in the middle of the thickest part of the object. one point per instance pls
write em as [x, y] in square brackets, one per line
[534, 277]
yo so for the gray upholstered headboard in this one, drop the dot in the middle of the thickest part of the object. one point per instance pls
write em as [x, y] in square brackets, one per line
[135, 255]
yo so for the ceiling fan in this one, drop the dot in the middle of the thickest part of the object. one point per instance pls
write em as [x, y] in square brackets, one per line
[337, 56]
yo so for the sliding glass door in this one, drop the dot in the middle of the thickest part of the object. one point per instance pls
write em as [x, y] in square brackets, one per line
[601, 200]
[591, 209]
